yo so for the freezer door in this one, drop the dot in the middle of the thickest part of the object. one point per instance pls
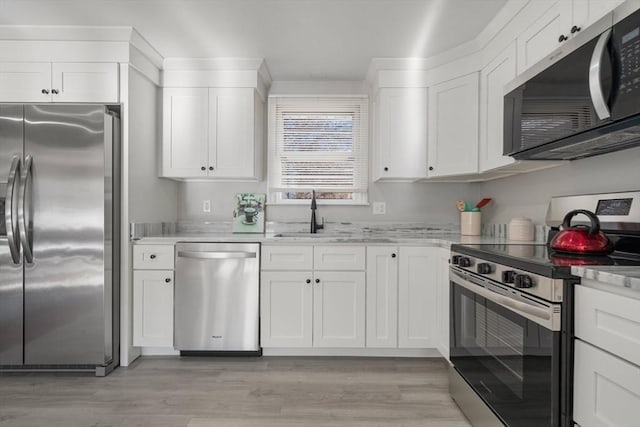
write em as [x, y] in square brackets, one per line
[217, 297]
[10, 264]
[65, 284]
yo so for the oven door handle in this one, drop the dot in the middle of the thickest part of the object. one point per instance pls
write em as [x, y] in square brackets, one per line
[545, 317]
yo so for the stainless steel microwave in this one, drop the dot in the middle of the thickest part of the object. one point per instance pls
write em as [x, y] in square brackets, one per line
[585, 103]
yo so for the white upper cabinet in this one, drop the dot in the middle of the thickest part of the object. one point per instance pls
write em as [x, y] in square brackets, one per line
[231, 133]
[185, 132]
[545, 34]
[401, 134]
[58, 82]
[500, 71]
[453, 127]
[563, 20]
[210, 133]
[586, 12]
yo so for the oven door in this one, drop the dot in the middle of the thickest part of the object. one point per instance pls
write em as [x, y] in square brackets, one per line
[506, 345]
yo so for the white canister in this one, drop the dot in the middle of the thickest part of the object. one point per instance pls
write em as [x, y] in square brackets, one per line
[520, 229]
[470, 224]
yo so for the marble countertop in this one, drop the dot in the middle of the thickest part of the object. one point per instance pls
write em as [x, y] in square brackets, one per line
[400, 234]
[621, 279]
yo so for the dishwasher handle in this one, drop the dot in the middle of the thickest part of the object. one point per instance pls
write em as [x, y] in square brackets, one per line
[216, 255]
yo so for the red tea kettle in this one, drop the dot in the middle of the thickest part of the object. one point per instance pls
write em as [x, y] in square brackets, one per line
[581, 239]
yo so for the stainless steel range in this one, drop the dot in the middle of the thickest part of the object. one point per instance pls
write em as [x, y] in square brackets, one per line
[511, 343]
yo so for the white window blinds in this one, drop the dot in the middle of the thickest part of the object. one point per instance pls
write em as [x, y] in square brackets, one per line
[318, 144]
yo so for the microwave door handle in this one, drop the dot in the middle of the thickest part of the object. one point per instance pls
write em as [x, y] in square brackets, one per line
[595, 85]
[9, 217]
[24, 209]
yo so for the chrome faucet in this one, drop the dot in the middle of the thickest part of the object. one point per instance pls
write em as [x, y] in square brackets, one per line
[314, 225]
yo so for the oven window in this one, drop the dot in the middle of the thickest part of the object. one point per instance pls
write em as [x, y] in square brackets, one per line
[510, 361]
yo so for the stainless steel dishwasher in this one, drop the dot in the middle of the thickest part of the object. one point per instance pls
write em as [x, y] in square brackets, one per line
[217, 298]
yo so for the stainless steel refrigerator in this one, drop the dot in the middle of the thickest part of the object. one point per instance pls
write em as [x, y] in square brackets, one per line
[59, 237]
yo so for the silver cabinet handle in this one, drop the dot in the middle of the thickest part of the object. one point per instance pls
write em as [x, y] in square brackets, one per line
[9, 208]
[24, 209]
[595, 86]
[215, 255]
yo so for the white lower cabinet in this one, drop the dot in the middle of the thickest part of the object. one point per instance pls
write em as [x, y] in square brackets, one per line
[286, 304]
[338, 309]
[382, 297]
[442, 300]
[606, 389]
[153, 308]
[416, 297]
[606, 360]
[313, 308]
[401, 297]
[153, 295]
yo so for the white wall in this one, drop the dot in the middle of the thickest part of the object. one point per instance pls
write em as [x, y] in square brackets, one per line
[529, 194]
[150, 199]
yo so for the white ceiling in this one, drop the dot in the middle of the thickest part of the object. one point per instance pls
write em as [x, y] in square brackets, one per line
[299, 39]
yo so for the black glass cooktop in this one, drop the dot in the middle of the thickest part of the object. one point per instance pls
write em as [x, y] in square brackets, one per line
[537, 258]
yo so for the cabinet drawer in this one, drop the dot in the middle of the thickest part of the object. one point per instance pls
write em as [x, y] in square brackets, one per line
[609, 321]
[339, 258]
[606, 389]
[287, 257]
[153, 257]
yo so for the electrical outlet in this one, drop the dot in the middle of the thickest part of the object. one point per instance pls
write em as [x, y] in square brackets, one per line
[206, 206]
[379, 208]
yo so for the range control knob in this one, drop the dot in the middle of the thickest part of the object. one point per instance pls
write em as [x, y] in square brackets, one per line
[509, 276]
[484, 268]
[523, 281]
[455, 260]
[464, 262]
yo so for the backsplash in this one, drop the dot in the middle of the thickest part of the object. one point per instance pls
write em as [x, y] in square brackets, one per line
[500, 230]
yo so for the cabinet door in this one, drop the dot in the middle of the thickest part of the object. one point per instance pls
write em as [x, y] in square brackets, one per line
[340, 257]
[382, 296]
[287, 257]
[442, 300]
[586, 12]
[606, 389]
[231, 133]
[493, 78]
[84, 82]
[543, 36]
[402, 134]
[339, 309]
[185, 127]
[25, 82]
[416, 298]
[153, 308]
[609, 321]
[453, 127]
[286, 301]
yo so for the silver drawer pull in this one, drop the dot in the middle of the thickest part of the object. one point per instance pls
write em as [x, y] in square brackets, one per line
[215, 255]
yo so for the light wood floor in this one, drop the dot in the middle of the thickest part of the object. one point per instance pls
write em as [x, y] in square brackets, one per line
[267, 391]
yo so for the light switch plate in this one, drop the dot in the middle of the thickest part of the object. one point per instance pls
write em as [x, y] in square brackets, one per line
[379, 208]
[206, 206]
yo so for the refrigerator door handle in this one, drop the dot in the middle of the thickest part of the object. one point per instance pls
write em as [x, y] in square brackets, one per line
[24, 209]
[9, 208]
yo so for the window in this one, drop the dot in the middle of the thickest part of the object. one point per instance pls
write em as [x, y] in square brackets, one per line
[318, 144]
